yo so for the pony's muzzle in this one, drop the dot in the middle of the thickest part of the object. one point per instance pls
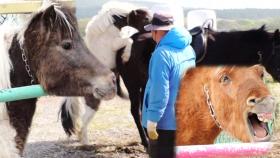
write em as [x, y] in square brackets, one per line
[105, 87]
[259, 116]
[263, 107]
[262, 102]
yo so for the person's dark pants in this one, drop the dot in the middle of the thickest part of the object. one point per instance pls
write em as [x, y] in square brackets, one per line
[164, 146]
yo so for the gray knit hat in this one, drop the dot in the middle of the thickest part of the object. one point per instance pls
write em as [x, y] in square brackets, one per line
[160, 21]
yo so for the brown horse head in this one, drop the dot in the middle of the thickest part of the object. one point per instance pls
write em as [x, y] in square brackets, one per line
[238, 98]
[139, 18]
[59, 59]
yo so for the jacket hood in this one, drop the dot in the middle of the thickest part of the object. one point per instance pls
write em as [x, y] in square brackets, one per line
[177, 37]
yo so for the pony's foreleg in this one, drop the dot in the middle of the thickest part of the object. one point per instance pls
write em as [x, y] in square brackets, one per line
[20, 115]
[91, 106]
[134, 96]
[123, 42]
[86, 118]
[7, 135]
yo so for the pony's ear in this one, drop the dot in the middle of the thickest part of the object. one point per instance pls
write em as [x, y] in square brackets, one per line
[132, 15]
[49, 16]
[134, 12]
[258, 68]
[276, 37]
[276, 32]
[262, 27]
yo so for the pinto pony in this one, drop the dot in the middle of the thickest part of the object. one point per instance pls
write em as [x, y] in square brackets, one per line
[230, 98]
[49, 51]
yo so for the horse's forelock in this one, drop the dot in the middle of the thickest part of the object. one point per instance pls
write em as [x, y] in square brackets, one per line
[6, 35]
[56, 14]
[65, 21]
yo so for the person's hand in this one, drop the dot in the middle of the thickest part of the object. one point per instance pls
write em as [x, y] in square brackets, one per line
[152, 130]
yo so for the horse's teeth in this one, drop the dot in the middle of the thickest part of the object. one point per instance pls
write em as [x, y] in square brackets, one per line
[265, 120]
[261, 118]
[264, 117]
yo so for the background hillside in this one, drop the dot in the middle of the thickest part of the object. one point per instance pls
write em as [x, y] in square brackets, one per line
[228, 19]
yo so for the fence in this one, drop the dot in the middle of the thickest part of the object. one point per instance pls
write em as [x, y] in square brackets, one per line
[29, 6]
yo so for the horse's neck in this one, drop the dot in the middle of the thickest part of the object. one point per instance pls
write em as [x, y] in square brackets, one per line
[224, 49]
[194, 122]
[19, 76]
[113, 31]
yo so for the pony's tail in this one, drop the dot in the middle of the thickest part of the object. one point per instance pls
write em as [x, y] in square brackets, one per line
[120, 91]
[69, 112]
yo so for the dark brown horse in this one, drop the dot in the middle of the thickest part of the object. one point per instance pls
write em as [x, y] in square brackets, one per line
[233, 99]
[49, 51]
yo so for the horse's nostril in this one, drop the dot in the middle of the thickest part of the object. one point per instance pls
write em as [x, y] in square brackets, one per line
[252, 101]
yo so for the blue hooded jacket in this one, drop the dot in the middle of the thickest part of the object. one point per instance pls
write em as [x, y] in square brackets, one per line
[172, 57]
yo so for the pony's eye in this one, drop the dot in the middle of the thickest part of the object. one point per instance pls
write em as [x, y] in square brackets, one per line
[67, 45]
[225, 79]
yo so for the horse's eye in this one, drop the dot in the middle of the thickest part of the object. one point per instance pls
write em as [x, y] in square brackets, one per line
[225, 79]
[67, 45]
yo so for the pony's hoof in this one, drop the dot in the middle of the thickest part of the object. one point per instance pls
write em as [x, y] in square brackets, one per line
[85, 142]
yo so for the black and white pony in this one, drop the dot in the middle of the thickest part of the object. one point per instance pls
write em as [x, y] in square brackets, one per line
[49, 51]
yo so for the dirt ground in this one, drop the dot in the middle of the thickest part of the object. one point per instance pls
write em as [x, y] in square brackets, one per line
[112, 133]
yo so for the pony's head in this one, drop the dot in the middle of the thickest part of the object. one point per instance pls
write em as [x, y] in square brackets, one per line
[241, 101]
[59, 59]
[272, 60]
[139, 18]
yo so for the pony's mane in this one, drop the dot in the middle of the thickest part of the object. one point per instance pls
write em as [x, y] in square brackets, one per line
[61, 19]
[7, 31]
[257, 35]
[104, 18]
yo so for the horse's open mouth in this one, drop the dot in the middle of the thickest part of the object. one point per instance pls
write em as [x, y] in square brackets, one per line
[258, 125]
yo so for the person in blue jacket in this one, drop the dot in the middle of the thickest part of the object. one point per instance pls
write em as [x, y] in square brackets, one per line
[171, 58]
